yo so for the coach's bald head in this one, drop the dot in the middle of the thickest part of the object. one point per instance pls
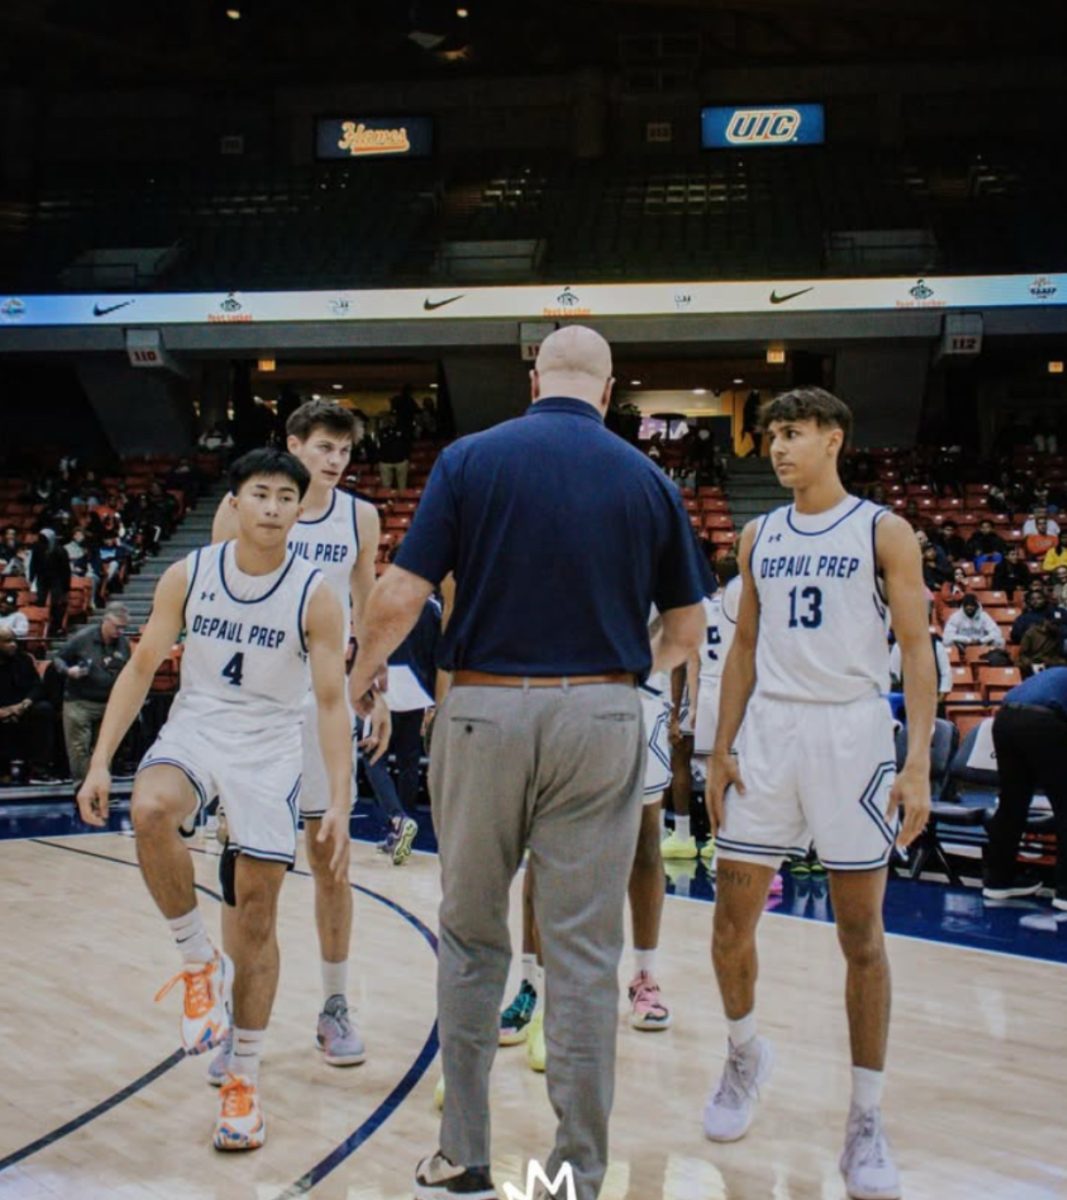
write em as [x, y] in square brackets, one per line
[574, 361]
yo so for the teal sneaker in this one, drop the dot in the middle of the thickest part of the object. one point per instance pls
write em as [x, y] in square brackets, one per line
[517, 1016]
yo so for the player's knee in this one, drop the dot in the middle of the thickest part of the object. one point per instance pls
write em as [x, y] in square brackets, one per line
[862, 942]
[153, 814]
[255, 914]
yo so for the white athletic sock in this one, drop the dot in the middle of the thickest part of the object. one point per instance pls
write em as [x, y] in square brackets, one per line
[334, 979]
[247, 1049]
[742, 1031]
[191, 938]
[681, 828]
[538, 982]
[529, 969]
[867, 1087]
[644, 960]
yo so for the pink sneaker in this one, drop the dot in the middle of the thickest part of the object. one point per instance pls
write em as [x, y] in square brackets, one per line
[647, 1010]
[776, 886]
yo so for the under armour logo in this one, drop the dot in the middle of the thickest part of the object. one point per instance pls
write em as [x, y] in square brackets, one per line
[535, 1175]
[207, 595]
[775, 537]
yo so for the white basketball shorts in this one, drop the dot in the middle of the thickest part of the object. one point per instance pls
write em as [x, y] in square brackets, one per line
[255, 776]
[658, 763]
[707, 718]
[315, 789]
[812, 772]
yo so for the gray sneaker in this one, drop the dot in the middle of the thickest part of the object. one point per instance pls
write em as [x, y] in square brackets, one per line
[337, 1037]
[405, 835]
[219, 1068]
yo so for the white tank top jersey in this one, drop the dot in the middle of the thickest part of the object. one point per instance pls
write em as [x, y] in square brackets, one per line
[823, 621]
[657, 685]
[245, 659]
[720, 615]
[331, 543]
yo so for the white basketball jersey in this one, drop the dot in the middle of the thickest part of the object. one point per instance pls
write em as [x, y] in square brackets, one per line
[823, 613]
[720, 615]
[245, 658]
[331, 543]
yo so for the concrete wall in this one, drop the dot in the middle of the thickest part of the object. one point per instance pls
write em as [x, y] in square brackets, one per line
[141, 411]
[884, 386]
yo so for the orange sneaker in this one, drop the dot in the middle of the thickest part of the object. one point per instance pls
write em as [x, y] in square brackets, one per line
[206, 1009]
[240, 1125]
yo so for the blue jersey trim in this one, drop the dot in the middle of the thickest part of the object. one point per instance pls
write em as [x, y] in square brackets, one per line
[256, 599]
[878, 580]
[316, 574]
[192, 581]
[819, 532]
[355, 522]
[881, 772]
[187, 771]
[325, 515]
[756, 848]
[755, 543]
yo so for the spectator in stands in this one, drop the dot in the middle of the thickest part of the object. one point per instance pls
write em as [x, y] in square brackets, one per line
[1012, 573]
[1056, 556]
[26, 718]
[394, 453]
[11, 617]
[1058, 590]
[111, 562]
[405, 410]
[943, 560]
[9, 550]
[1037, 610]
[1041, 541]
[216, 439]
[88, 492]
[50, 567]
[750, 423]
[949, 539]
[934, 574]
[944, 668]
[1042, 646]
[912, 513]
[90, 661]
[1030, 738]
[971, 625]
[426, 422]
[702, 456]
[986, 545]
[1032, 522]
[78, 553]
[1045, 498]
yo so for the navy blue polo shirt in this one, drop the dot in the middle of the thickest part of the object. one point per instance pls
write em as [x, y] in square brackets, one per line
[561, 536]
[1047, 688]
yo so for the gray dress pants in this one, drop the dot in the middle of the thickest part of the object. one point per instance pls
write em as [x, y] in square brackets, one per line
[561, 771]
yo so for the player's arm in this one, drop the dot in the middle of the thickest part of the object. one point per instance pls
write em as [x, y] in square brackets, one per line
[130, 688]
[325, 633]
[679, 634]
[224, 526]
[738, 680]
[692, 683]
[361, 583]
[900, 564]
[392, 610]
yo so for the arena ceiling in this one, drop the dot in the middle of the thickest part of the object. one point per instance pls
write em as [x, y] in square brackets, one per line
[69, 43]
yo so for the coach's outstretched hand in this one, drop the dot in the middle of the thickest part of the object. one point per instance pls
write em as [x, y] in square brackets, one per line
[94, 796]
[911, 795]
[723, 772]
[334, 828]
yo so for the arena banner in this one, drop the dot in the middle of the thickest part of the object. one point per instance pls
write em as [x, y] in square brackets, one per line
[762, 125]
[558, 302]
[373, 137]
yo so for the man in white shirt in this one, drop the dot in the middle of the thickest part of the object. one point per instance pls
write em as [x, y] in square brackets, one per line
[1030, 524]
[971, 625]
[10, 616]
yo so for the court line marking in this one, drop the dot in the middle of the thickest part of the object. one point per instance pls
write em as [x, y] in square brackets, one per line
[341, 1152]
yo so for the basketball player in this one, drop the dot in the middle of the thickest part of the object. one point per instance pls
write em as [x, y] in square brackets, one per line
[338, 534]
[255, 616]
[815, 756]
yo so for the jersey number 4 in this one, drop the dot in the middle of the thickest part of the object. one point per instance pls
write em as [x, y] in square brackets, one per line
[234, 669]
[811, 604]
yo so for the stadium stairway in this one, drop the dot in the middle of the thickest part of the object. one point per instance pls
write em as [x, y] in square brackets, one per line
[194, 531]
[752, 490]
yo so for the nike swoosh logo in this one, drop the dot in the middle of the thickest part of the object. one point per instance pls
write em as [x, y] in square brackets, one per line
[102, 312]
[776, 299]
[430, 305]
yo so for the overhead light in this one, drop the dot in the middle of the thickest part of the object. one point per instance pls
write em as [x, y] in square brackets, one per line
[315, 396]
[738, 382]
[1055, 368]
[635, 383]
[700, 391]
[337, 387]
[433, 387]
[234, 14]
[463, 13]
[268, 363]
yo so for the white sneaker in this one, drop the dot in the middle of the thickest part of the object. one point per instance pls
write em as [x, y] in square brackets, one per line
[732, 1106]
[867, 1161]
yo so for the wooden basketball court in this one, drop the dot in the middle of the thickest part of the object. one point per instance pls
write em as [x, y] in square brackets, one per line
[97, 1103]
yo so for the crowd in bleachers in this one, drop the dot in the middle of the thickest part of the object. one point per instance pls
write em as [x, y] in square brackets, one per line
[70, 537]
